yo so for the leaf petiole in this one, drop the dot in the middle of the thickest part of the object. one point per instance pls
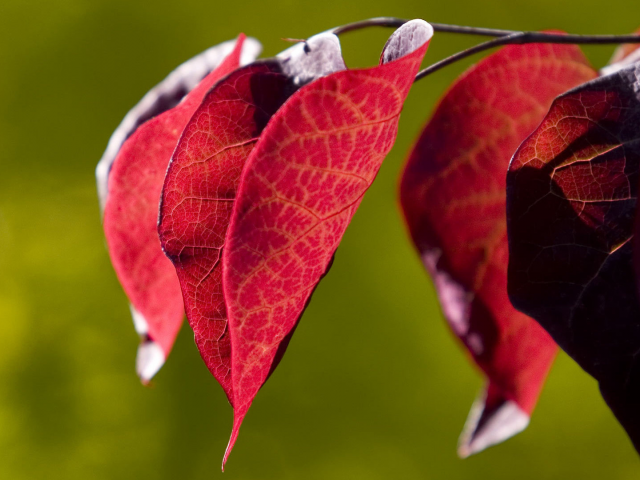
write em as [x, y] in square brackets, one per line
[529, 37]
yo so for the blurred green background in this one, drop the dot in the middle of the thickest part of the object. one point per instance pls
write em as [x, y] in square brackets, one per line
[373, 385]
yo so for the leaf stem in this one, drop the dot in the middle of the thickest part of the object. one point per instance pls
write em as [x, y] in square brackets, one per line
[529, 37]
[438, 27]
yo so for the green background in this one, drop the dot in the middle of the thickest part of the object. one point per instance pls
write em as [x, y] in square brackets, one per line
[373, 385]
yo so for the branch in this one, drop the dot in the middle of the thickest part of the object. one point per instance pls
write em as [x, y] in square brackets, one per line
[503, 37]
[529, 37]
[437, 27]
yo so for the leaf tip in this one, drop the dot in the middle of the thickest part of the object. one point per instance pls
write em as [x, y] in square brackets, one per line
[149, 360]
[490, 423]
[238, 417]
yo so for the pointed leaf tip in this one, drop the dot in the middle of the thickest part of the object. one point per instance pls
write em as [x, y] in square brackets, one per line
[238, 417]
[492, 420]
[149, 360]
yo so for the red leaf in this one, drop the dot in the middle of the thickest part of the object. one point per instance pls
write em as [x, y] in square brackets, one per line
[571, 200]
[132, 172]
[298, 192]
[453, 197]
[201, 182]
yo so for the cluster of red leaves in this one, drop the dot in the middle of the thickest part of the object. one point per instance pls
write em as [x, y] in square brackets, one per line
[246, 174]
[267, 164]
[130, 177]
[562, 253]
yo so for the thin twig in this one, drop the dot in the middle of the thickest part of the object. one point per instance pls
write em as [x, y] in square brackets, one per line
[485, 32]
[371, 22]
[529, 37]
[503, 37]
[496, 42]
[438, 27]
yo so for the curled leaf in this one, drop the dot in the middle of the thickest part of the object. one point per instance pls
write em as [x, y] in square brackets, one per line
[572, 192]
[166, 95]
[453, 197]
[299, 189]
[202, 179]
[130, 177]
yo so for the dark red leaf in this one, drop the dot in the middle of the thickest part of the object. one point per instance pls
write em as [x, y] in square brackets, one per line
[298, 192]
[130, 179]
[571, 200]
[453, 197]
[201, 182]
[625, 55]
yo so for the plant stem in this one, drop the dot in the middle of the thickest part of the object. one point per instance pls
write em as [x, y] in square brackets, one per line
[438, 27]
[496, 42]
[529, 37]
[503, 37]
[370, 22]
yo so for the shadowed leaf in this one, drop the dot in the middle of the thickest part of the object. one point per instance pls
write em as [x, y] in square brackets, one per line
[571, 200]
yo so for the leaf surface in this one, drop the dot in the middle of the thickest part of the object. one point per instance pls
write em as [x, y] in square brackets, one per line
[133, 180]
[202, 179]
[453, 198]
[572, 192]
[298, 192]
